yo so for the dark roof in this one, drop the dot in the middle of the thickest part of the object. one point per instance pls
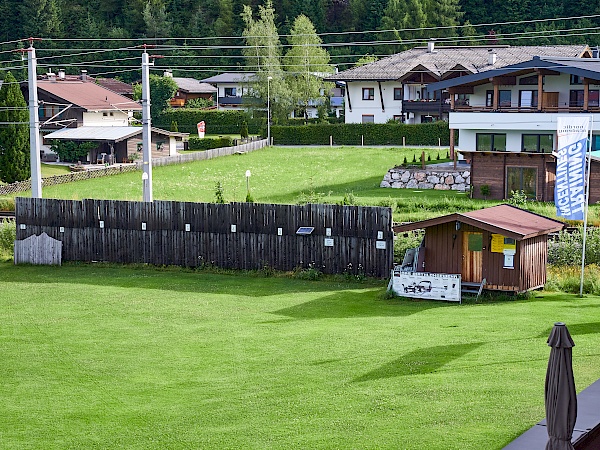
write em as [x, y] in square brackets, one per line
[231, 77]
[444, 60]
[88, 95]
[118, 86]
[584, 67]
[507, 220]
[193, 86]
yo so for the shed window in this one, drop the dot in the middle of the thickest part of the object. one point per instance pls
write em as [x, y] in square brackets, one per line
[475, 242]
[397, 93]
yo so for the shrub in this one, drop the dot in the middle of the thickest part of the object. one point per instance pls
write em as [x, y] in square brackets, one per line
[485, 190]
[8, 234]
[219, 198]
[7, 204]
[374, 134]
[217, 122]
[209, 143]
[244, 130]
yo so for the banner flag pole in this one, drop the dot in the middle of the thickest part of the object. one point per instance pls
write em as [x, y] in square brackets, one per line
[587, 202]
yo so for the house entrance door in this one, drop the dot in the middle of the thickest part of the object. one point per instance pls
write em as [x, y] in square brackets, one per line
[472, 257]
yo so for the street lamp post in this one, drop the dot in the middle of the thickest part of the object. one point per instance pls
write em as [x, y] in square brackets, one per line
[269, 110]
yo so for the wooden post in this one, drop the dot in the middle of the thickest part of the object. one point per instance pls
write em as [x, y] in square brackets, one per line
[586, 94]
[496, 100]
[452, 143]
[540, 91]
[454, 159]
[423, 159]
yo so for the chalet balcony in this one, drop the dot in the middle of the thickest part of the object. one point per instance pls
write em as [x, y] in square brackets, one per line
[425, 106]
[552, 108]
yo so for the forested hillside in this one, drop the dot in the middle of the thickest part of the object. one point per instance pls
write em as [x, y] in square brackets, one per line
[348, 28]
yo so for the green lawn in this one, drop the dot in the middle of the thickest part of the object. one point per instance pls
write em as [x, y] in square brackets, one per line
[278, 175]
[49, 170]
[292, 175]
[143, 358]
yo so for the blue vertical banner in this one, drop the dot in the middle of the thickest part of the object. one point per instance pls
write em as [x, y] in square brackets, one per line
[569, 191]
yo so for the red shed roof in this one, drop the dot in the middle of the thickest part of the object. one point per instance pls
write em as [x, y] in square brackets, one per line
[88, 95]
[507, 220]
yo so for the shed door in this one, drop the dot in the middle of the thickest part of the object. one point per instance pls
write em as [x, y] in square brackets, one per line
[472, 257]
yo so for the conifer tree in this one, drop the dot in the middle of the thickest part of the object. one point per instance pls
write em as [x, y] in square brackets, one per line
[14, 132]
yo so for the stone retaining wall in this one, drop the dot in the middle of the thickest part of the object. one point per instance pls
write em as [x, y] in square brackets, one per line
[439, 179]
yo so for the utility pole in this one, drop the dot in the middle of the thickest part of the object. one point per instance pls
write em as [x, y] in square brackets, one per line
[34, 123]
[146, 130]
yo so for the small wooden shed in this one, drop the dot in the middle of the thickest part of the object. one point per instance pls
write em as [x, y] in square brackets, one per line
[503, 245]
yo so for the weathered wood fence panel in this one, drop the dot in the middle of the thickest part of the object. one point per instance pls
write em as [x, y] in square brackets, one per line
[40, 249]
[248, 236]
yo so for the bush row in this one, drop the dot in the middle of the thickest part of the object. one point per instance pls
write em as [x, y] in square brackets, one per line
[367, 133]
[565, 249]
[208, 143]
[217, 122]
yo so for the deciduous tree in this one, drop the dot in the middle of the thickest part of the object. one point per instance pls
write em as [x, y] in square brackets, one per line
[306, 63]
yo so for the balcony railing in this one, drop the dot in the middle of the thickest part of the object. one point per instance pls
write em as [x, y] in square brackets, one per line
[527, 109]
[425, 106]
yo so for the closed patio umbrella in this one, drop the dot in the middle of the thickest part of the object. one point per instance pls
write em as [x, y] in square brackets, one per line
[560, 395]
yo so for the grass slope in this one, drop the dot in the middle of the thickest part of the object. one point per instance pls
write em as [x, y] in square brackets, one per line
[129, 357]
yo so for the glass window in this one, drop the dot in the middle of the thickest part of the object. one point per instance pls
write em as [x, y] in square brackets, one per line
[505, 99]
[475, 242]
[230, 92]
[575, 79]
[528, 99]
[521, 179]
[368, 94]
[537, 143]
[594, 98]
[397, 93]
[487, 142]
[576, 98]
[462, 100]
[530, 80]
[368, 118]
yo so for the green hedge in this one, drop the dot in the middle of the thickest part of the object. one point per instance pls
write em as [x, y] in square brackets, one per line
[208, 143]
[217, 122]
[351, 133]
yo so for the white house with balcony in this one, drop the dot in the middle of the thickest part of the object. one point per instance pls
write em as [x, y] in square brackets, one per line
[506, 121]
[233, 89]
[395, 87]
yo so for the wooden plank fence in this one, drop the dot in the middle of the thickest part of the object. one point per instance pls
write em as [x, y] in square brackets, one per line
[353, 239]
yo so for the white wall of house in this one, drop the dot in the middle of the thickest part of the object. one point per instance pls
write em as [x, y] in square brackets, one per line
[105, 119]
[514, 125]
[367, 108]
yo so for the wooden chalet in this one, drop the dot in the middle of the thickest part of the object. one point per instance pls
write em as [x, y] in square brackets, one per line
[504, 248]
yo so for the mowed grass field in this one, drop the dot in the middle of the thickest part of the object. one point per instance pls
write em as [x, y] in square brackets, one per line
[97, 356]
[292, 175]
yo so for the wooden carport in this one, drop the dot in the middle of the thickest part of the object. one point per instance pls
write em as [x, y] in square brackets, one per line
[503, 245]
